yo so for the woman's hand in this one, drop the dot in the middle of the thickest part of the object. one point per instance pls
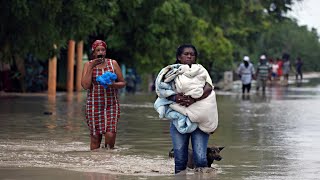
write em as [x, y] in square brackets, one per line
[95, 62]
[87, 72]
[184, 100]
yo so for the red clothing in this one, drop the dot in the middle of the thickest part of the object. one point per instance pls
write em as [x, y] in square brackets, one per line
[280, 63]
[102, 109]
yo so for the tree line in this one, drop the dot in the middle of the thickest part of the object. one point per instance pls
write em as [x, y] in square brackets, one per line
[145, 33]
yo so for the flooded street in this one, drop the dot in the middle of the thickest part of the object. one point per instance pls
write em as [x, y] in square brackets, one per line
[272, 136]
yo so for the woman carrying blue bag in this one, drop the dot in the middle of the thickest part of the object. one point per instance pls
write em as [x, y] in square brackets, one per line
[102, 77]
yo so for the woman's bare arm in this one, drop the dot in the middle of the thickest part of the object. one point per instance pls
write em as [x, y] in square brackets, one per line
[120, 83]
[86, 75]
[207, 89]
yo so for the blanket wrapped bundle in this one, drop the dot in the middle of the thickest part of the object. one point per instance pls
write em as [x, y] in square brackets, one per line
[179, 78]
[106, 79]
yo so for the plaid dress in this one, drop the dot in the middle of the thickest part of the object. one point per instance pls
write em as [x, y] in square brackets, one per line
[102, 108]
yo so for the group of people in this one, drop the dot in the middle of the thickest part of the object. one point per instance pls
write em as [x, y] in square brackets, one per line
[190, 88]
[267, 70]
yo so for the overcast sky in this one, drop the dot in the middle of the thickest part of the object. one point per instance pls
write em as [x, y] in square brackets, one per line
[307, 13]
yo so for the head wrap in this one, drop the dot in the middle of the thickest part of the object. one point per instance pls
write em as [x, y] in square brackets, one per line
[97, 43]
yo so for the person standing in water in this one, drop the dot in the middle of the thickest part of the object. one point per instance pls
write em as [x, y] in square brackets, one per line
[263, 73]
[246, 73]
[299, 64]
[286, 67]
[102, 105]
[181, 131]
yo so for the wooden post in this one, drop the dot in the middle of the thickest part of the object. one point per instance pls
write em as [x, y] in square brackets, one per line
[79, 65]
[70, 66]
[52, 74]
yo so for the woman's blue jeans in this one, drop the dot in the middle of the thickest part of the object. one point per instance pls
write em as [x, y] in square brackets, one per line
[199, 140]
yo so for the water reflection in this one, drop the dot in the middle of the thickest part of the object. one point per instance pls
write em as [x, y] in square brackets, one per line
[271, 136]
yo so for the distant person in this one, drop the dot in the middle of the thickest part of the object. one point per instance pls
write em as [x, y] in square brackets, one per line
[274, 72]
[263, 73]
[6, 82]
[246, 73]
[152, 84]
[279, 73]
[299, 64]
[102, 105]
[131, 82]
[286, 67]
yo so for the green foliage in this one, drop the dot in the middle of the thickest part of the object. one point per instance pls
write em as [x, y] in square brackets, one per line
[145, 33]
[33, 26]
[214, 48]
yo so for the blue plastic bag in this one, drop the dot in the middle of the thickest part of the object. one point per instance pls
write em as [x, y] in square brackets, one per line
[106, 79]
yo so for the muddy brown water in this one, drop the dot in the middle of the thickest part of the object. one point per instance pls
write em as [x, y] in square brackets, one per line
[272, 136]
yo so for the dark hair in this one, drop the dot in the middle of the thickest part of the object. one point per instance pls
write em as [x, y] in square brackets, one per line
[285, 56]
[180, 51]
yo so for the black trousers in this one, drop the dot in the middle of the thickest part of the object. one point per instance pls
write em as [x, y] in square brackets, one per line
[246, 87]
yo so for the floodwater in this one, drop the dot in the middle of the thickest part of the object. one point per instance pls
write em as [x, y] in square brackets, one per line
[271, 136]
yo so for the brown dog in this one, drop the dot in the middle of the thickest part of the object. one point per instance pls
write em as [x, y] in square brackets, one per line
[213, 153]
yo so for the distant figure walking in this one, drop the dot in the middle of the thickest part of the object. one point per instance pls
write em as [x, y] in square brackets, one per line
[299, 64]
[131, 82]
[5, 81]
[263, 73]
[246, 73]
[279, 72]
[286, 67]
[275, 68]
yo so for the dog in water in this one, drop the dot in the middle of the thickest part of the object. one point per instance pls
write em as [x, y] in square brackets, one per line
[213, 153]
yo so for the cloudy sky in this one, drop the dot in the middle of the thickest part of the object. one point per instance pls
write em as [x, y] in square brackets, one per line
[307, 13]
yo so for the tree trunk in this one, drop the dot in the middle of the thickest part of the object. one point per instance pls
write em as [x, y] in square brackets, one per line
[79, 65]
[70, 66]
[52, 76]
